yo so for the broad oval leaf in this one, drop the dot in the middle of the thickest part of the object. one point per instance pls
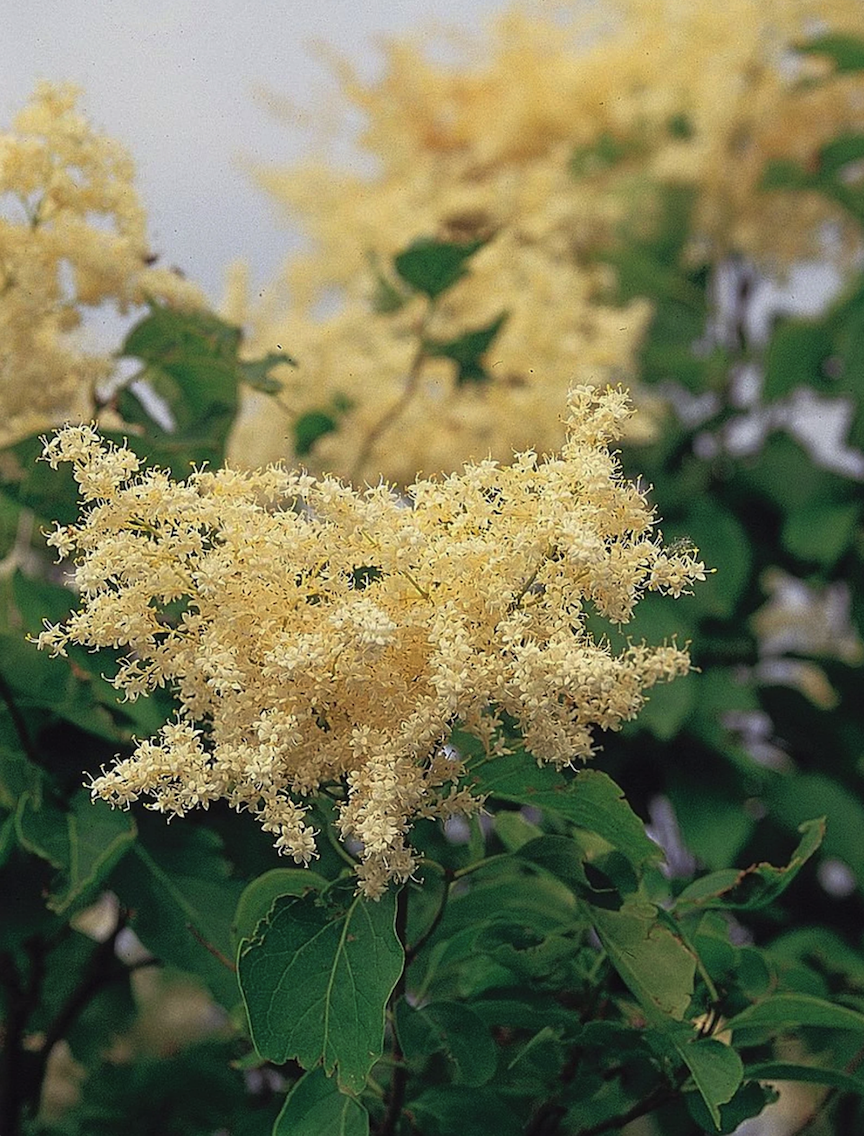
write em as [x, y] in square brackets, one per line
[316, 1107]
[316, 979]
[259, 896]
[655, 965]
[716, 1069]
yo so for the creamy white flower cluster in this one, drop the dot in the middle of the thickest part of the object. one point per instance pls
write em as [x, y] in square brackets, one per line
[317, 636]
[72, 236]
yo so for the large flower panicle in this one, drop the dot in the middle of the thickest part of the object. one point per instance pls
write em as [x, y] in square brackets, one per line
[72, 235]
[550, 135]
[322, 637]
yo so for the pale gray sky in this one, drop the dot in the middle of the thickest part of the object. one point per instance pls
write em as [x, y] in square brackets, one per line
[174, 80]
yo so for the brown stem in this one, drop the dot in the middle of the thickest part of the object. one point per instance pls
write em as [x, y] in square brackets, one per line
[18, 722]
[414, 950]
[660, 1096]
[214, 951]
[19, 1078]
[389, 416]
[103, 968]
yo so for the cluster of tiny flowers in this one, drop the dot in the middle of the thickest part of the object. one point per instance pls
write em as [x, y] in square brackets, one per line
[72, 235]
[551, 137]
[319, 637]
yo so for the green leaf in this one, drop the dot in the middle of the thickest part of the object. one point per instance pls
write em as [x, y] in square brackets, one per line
[522, 1010]
[525, 953]
[825, 950]
[757, 886]
[810, 1074]
[838, 153]
[386, 299]
[7, 837]
[453, 1029]
[787, 1013]
[259, 896]
[316, 1107]
[723, 543]
[655, 965]
[561, 857]
[715, 826]
[57, 685]
[309, 427]
[783, 174]
[18, 775]
[796, 353]
[716, 1069]
[602, 154]
[513, 830]
[190, 361]
[507, 894]
[177, 882]
[749, 1100]
[256, 372]
[820, 532]
[24, 479]
[668, 706]
[83, 844]
[589, 799]
[467, 350]
[846, 51]
[447, 1109]
[316, 979]
[432, 266]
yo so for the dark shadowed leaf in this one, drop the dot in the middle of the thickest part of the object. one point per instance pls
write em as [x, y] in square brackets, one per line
[750, 1099]
[434, 266]
[83, 844]
[757, 886]
[453, 1029]
[177, 883]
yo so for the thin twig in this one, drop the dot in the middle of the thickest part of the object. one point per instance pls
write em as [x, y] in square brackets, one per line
[416, 947]
[389, 416]
[399, 1079]
[819, 1109]
[214, 951]
[660, 1096]
[18, 1076]
[18, 722]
